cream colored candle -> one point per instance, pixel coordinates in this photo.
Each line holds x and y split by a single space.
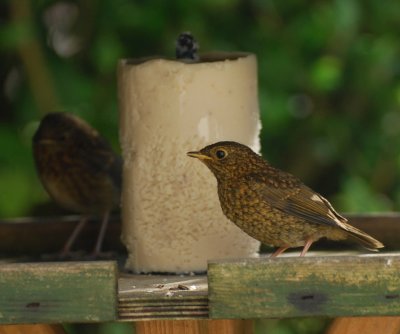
172 219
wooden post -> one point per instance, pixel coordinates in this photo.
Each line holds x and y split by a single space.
195 327
370 325
32 329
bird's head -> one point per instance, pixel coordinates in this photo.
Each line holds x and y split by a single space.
63 129
228 159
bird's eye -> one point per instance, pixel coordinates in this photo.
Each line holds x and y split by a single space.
220 154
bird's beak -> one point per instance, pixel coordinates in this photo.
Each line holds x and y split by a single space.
198 155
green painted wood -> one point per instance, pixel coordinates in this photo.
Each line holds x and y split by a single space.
311 286
58 292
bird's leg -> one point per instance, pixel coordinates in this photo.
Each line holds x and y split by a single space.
279 251
77 230
306 247
100 238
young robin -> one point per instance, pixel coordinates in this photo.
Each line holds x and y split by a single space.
273 206
78 169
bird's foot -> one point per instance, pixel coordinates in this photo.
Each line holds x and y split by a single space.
279 251
63 256
70 256
306 247
101 256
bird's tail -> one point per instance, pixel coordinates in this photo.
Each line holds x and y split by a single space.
363 238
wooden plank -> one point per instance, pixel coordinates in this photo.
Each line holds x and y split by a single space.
364 325
32 329
149 297
195 327
39 235
367 285
58 292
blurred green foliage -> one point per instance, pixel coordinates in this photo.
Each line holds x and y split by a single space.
329 83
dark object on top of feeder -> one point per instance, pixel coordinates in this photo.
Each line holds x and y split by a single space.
186 48
273 206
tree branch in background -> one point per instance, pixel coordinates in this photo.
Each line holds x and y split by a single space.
33 58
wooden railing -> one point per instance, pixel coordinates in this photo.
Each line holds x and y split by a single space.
325 283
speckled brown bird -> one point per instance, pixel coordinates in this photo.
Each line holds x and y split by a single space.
78 169
273 206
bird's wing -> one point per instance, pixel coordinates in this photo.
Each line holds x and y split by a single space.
290 195
102 159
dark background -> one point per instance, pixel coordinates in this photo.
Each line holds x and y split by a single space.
329 86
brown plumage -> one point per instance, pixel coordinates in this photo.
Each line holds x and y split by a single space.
273 206
78 169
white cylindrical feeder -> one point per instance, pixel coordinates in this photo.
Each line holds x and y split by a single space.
172 219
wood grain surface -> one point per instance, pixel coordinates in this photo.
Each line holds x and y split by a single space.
58 292
300 287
